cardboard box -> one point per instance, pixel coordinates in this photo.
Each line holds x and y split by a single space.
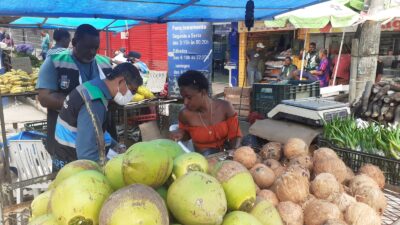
236 100
238 91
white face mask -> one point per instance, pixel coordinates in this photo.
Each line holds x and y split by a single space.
123 99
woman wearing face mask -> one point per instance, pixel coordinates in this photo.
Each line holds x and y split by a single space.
75 132
212 124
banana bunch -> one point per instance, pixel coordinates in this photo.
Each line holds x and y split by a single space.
142 93
18 81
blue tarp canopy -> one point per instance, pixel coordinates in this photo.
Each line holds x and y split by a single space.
71 23
151 10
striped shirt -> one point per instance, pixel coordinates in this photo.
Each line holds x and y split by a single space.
55 50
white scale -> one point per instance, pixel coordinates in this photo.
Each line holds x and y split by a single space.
310 111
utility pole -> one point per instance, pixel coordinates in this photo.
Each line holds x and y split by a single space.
365 55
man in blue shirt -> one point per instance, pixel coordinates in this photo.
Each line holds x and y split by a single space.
45 44
75 132
64 71
62 39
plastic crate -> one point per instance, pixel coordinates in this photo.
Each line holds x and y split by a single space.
355 159
40 126
266 96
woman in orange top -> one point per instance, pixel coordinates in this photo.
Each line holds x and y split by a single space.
212 124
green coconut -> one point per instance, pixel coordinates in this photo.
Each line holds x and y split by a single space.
240 218
72 168
134 204
78 199
113 172
39 205
189 162
266 213
197 198
143 163
238 184
173 149
46 219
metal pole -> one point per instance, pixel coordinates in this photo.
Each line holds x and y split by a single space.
338 59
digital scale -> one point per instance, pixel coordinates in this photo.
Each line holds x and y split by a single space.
309 111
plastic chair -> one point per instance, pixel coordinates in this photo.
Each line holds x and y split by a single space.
31 160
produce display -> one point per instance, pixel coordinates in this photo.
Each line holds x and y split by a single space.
380 102
157 183
18 81
142 94
370 137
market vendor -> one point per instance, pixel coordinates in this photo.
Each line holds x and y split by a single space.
312 59
134 58
212 124
287 69
63 72
75 132
321 73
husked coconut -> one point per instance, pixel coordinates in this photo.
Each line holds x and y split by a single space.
268 196
291 213
308 200
295 147
292 186
263 176
324 185
333 166
259 159
271 150
275 166
303 160
335 222
323 153
319 211
375 173
373 197
350 175
360 213
343 201
246 156
296 168
361 181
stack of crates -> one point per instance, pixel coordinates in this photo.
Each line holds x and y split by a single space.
266 96
240 99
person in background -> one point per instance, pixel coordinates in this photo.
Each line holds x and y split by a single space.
134 58
212 124
63 72
2 34
45 44
343 71
255 64
62 38
287 69
311 58
322 72
8 41
75 132
119 56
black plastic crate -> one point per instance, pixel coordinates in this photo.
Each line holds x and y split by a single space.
355 159
267 96
40 126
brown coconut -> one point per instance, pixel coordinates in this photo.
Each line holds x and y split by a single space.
271 150
268 196
259 159
323 153
308 200
373 197
333 166
335 222
299 169
295 147
343 201
246 156
319 211
325 185
292 186
303 160
275 166
291 213
360 213
263 176
375 173
361 181
350 175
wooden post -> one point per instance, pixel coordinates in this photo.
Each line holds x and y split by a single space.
368 48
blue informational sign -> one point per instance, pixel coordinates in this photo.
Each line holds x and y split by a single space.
189 48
